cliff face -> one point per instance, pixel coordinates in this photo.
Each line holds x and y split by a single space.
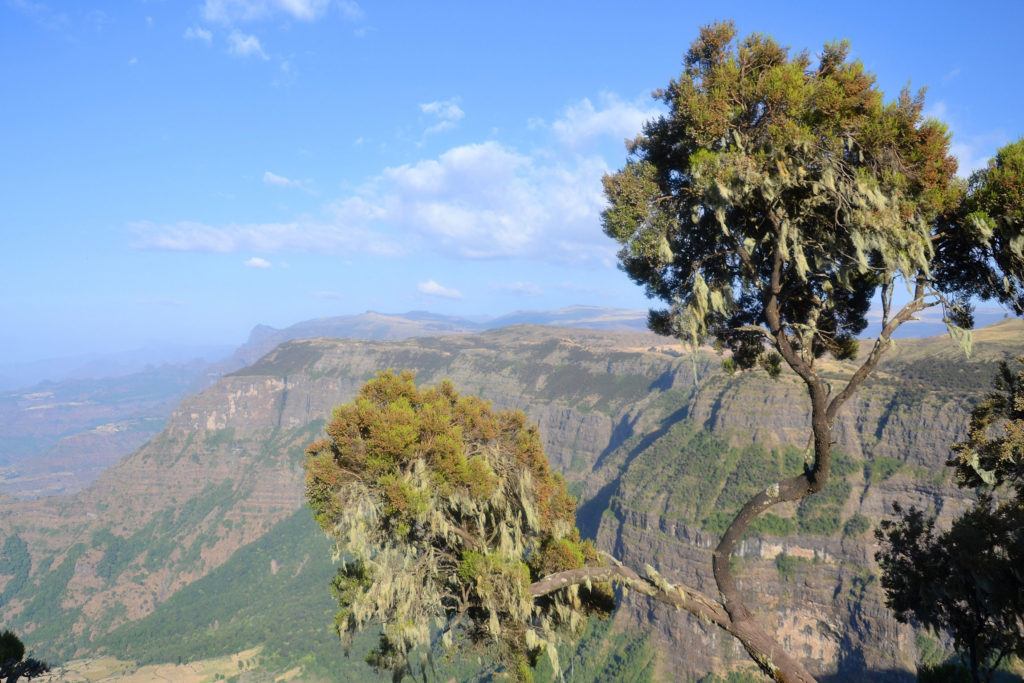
612 408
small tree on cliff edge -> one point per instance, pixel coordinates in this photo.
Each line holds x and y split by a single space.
969 581
14 666
771 204
451 527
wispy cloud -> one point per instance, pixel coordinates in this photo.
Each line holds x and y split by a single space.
243 45
973 153
433 289
257 262
323 294
271 178
198 33
267 238
350 10
446 112
582 122
231 11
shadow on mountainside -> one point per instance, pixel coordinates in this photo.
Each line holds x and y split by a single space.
588 515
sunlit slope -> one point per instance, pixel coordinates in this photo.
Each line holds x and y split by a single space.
660 457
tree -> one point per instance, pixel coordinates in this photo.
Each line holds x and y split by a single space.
13 664
768 207
969 580
451 527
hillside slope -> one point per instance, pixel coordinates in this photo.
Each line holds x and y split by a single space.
658 455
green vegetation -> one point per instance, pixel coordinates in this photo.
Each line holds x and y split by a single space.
13 663
787 565
967 581
16 563
221 613
44 603
446 512
767 207
856 525
606 654
696 477
881 468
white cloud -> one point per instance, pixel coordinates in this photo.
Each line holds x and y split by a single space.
279 180
231 11
242 45
133 61
323 294
936 110
475 201
488 201
198 33
257 262
304 235
974 153
433 289
582 122
518 288
447 112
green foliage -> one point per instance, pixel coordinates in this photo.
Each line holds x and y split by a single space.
738 676
967 581
994 208
44 602
993 453
787 566
443 512
856 525
15 562
13 663
881 468
221 614
695 476
820 514
765 159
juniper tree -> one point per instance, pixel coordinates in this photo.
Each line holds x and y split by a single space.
14 666
772 202
452 530
969 581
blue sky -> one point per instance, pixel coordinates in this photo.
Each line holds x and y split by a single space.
177 172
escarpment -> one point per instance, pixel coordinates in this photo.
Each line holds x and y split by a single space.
659 444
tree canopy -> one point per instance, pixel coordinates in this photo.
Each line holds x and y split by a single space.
13 664
444 513
969 581
767 208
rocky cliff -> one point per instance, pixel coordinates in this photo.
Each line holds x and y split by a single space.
657 443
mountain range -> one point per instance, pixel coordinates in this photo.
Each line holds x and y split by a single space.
197 544
58 435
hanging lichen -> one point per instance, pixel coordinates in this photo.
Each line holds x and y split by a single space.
443 512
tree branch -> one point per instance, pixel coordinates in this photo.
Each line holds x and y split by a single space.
694 602
918 303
